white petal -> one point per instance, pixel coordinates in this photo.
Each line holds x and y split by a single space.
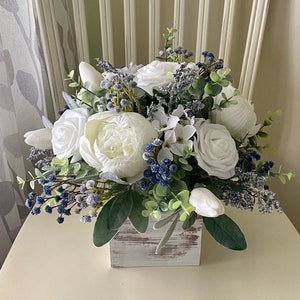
89 74
40 138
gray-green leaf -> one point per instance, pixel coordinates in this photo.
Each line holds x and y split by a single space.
226 232
102 233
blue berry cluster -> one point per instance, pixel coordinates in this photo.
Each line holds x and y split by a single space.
63 200
157 172
119 86
209 64
247 161
265 168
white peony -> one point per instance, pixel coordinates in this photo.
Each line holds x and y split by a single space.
115 143
206 203
67 131
155 74
215 149
40 138
240 118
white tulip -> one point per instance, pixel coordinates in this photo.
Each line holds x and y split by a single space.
40 138
90 76
206 203
240 118
115 143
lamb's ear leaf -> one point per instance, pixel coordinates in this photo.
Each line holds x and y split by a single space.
102 233
136 217
226 232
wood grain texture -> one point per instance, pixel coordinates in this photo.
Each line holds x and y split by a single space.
130 248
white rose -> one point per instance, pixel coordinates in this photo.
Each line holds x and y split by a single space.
90 76
240 119
115 142
215 149
40 138
67 131
206 203
155 74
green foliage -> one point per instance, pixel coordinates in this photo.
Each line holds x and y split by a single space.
136 218
226 232
120 210
102 232
168 234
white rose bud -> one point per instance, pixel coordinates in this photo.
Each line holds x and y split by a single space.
40 138
206 203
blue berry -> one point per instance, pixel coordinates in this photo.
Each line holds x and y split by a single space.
36 210
148 173
142 184
67 212
163 182
57 198
48 209
52 177
117 109
166 161
151 161
148 147
64 194
31 195
60 220
60 209
60 189
42 181
173 168
47 190
40 200
28 203
64 203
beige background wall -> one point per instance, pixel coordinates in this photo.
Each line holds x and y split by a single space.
277 84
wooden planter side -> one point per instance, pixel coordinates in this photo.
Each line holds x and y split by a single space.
130 248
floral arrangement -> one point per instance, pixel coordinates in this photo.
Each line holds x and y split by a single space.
170 140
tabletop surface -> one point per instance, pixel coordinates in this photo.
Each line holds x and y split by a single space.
59 262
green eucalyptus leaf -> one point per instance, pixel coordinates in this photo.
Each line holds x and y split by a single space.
226 232
136 217
32 183
213 89
210 102
119 210
71 74
38 173
225 71
102 233
183 196
168 234
73 84
76 167
187 167
161 191
178 186
21 181
214 77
